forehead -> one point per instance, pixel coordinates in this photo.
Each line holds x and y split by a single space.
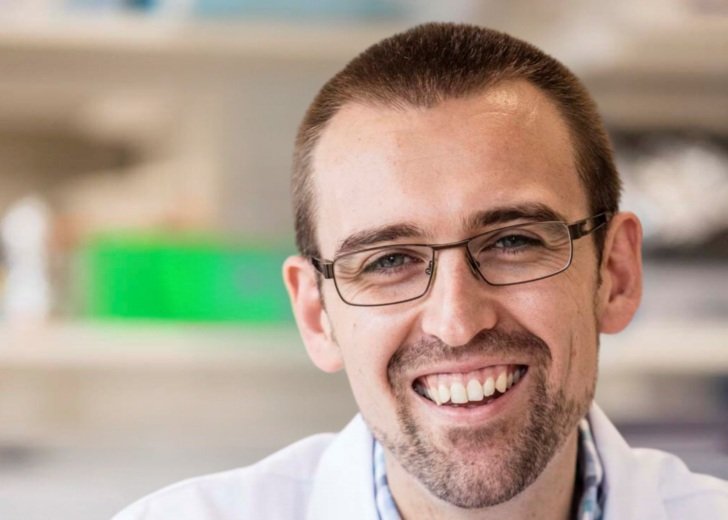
433 168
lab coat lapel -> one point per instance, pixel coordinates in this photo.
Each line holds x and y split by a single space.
631 490
344 480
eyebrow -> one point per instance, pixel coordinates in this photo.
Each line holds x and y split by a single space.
532 211
376 235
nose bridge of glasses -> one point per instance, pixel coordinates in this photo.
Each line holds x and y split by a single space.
473 264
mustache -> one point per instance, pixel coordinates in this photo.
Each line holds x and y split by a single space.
496 343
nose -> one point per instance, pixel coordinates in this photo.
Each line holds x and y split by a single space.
459 304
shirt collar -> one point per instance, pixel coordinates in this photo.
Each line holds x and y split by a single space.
591 474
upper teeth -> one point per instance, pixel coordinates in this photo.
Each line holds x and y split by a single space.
473 386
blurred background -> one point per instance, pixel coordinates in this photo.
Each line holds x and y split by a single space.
145 149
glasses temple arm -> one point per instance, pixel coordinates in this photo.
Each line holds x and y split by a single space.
580 229
325 268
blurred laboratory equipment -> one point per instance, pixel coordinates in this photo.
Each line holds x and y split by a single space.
678 185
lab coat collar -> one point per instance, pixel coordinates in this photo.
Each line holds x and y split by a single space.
344 482
631 491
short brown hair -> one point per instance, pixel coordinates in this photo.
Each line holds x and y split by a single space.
433 62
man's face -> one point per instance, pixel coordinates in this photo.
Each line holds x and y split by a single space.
436 170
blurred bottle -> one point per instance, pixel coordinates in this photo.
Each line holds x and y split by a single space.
24 232
127 7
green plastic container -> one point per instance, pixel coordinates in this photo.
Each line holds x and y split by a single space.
190 278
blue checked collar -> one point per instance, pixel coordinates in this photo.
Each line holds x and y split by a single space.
590 469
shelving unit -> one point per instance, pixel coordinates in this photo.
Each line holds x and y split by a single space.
206 111
221 101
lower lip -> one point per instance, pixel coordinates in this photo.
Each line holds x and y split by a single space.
475 414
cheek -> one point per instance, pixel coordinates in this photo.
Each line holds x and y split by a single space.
560 311
581 338
368 338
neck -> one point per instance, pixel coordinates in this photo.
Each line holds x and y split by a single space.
549 497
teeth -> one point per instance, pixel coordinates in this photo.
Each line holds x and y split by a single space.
429 394
451 388
444 393
475 390
489 387
501 382
433 394
458 395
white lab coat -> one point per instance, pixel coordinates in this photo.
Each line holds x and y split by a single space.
329 477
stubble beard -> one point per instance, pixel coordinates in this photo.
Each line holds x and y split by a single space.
478 468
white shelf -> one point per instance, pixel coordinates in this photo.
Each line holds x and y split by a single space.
669 77
158 36
150 346
647 348
667 347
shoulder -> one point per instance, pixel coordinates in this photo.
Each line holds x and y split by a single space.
684 494
277 486
645 483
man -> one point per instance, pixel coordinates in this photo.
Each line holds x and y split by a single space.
456 209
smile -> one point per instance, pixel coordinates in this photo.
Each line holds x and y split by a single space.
479 386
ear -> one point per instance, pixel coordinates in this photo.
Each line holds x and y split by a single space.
299 277
621 272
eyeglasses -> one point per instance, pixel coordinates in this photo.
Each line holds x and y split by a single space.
510 255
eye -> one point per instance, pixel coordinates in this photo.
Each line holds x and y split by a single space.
516 241
388 261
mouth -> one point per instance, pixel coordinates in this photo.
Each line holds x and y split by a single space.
469 389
